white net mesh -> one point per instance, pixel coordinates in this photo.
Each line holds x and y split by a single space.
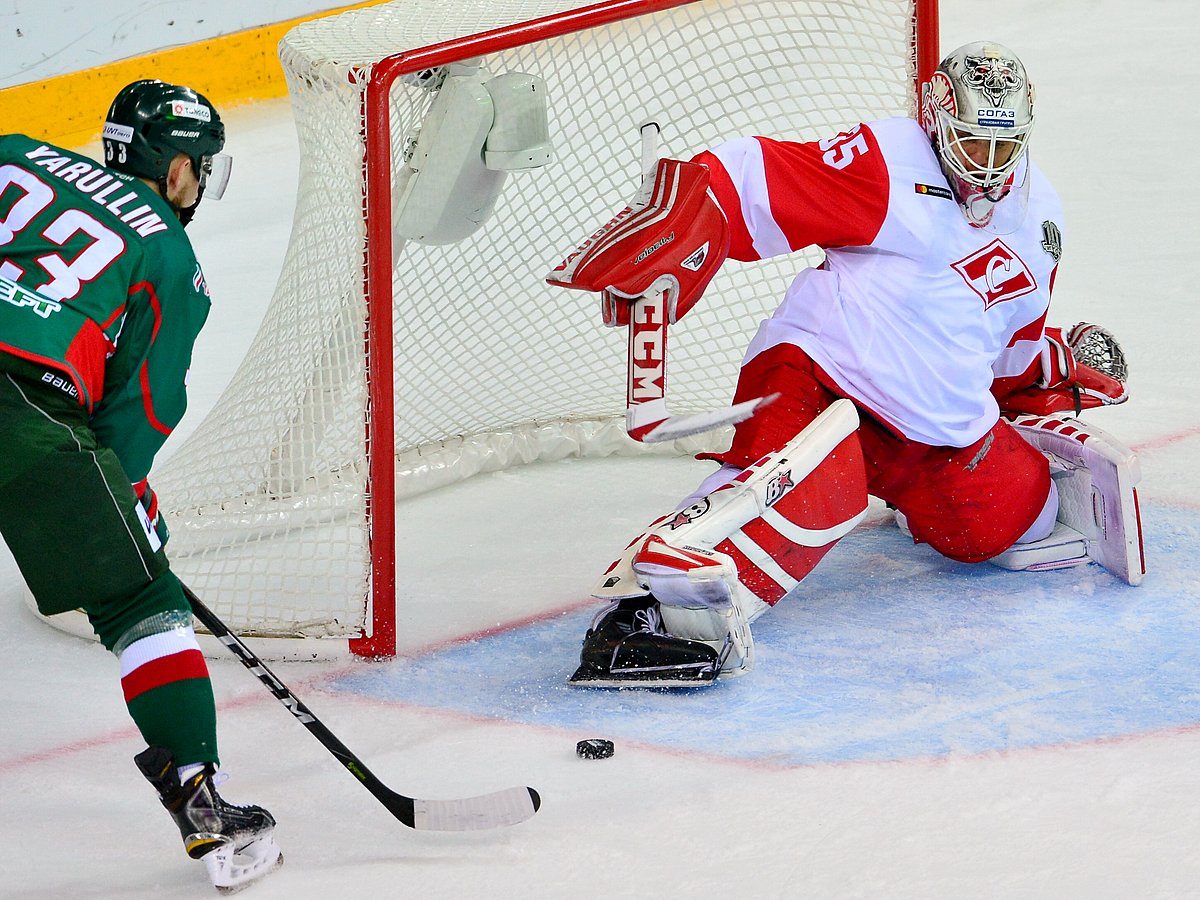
267 500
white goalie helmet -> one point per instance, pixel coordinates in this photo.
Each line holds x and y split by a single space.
977 109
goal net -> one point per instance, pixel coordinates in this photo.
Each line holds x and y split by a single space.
385 367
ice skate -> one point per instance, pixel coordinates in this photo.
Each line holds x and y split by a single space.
236 843
627 646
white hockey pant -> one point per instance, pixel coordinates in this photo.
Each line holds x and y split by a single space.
718 562
1098 517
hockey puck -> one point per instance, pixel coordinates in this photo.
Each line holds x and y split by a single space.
594 748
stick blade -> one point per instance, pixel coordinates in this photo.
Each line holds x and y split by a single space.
507 807
684 426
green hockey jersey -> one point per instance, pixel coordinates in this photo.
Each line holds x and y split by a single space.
100 288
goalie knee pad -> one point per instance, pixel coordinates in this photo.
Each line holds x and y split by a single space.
1098 515
718 563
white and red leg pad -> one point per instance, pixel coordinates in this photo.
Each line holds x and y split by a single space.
1098 514
717 564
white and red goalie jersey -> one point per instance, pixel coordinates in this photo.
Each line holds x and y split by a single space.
914 313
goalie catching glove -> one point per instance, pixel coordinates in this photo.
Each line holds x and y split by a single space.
1081 368
673 236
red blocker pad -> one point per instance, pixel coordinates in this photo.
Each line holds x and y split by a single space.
672 237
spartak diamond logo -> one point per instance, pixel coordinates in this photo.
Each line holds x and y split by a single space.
996 274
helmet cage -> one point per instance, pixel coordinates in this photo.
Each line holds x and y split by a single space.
958 143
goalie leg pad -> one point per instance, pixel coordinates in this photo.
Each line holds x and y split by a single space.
1098 511
775 521
720 562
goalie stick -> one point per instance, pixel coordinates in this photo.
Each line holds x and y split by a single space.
507 807
647 418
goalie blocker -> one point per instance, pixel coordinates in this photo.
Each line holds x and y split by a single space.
671 237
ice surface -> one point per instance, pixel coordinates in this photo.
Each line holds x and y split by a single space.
914 728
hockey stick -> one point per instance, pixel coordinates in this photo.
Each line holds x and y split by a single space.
506 807
647 418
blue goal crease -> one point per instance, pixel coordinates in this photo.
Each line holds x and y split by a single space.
887 651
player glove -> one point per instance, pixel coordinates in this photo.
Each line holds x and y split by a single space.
1081 368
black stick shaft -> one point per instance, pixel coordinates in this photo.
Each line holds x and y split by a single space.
397 804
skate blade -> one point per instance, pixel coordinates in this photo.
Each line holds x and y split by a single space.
642 680
232 870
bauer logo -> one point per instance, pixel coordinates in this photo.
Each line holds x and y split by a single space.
778 486
184 133
115 132
191 110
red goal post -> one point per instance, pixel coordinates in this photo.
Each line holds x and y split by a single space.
385 367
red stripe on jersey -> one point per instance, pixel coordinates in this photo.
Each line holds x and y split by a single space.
147 402
1006 384
1031 332
154 305
164 670
741 245
831 196
117 313
144 374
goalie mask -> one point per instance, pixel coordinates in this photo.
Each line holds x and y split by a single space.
977 109
151 122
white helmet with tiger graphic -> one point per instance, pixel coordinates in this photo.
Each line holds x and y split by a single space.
977 109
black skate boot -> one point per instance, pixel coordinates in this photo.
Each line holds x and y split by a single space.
628 647
236 843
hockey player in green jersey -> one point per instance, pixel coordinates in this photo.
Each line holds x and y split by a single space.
101 300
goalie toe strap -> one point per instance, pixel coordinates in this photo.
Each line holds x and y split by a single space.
1063 548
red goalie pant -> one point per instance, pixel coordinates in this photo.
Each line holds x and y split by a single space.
968 503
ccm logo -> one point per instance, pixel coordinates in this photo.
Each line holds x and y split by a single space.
647 349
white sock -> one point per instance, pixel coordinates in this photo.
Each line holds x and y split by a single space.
186 772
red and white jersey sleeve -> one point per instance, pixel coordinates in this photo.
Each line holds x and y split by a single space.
914 312
781 196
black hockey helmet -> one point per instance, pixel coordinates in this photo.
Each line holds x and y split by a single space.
151 121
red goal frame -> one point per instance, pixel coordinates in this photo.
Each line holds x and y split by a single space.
377 262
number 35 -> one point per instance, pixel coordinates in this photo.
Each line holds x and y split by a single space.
841 150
